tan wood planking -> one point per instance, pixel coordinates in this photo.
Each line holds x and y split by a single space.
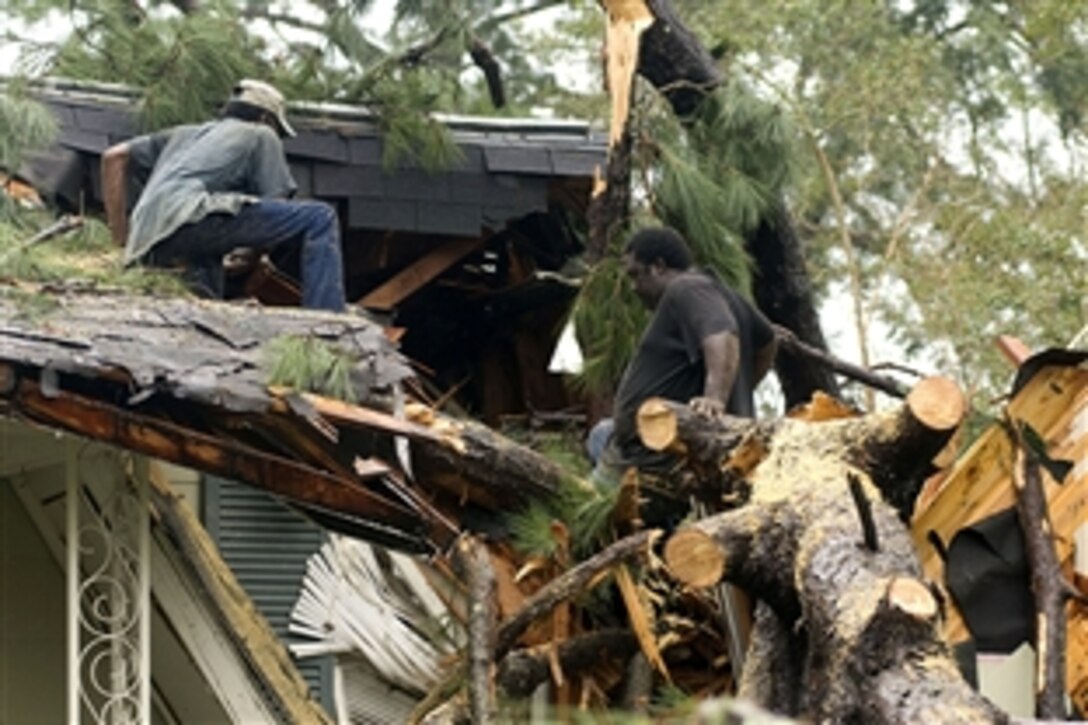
418 273
1055 403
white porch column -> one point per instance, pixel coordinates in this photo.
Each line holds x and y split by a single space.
109 587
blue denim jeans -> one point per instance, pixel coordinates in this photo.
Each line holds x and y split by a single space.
265 226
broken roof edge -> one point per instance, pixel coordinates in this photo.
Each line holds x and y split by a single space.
315 112
250 633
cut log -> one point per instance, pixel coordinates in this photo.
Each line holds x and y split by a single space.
895 448
898 451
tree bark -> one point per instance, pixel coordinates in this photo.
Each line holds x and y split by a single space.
475 568
610 209
783 292
788 343
772 669
470 459
675 62
839 569
895 448
522 671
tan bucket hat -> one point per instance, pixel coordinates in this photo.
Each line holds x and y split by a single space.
264 96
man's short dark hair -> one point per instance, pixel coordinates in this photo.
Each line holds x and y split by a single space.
247 112
664 243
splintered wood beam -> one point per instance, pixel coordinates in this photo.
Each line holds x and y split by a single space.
184 446
343 413
405 282
462 456
253 635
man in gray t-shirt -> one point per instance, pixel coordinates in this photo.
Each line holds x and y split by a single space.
705 345
214 187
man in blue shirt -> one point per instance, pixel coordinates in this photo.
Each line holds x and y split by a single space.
214 187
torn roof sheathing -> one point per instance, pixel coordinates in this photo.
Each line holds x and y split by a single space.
184 381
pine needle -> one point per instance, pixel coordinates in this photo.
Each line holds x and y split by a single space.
311 365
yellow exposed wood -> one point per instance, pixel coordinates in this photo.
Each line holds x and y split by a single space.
627 20
641 618
1055 403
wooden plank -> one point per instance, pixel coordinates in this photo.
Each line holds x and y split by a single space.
416 275
1055 403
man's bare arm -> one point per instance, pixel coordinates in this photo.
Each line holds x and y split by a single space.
721 356
115 190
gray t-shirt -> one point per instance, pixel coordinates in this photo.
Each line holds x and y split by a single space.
202 169
669 360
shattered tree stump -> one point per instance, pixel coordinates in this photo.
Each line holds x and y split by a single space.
819 538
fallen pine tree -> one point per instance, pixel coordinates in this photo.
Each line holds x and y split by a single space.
846 626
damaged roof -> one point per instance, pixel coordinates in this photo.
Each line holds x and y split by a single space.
186 381
505 170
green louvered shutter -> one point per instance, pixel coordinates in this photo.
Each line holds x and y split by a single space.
267 546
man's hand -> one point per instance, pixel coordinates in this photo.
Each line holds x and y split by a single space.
709 407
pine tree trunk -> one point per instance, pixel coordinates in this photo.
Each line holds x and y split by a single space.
818 541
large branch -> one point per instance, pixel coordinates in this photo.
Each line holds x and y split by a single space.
568 584
791 345
675 62
895 448
474 565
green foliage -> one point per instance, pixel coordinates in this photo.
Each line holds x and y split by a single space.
310 364
586 512
24 125
692 202
85 257
609 320
410 136
954 133
184 66
713 178
671 701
